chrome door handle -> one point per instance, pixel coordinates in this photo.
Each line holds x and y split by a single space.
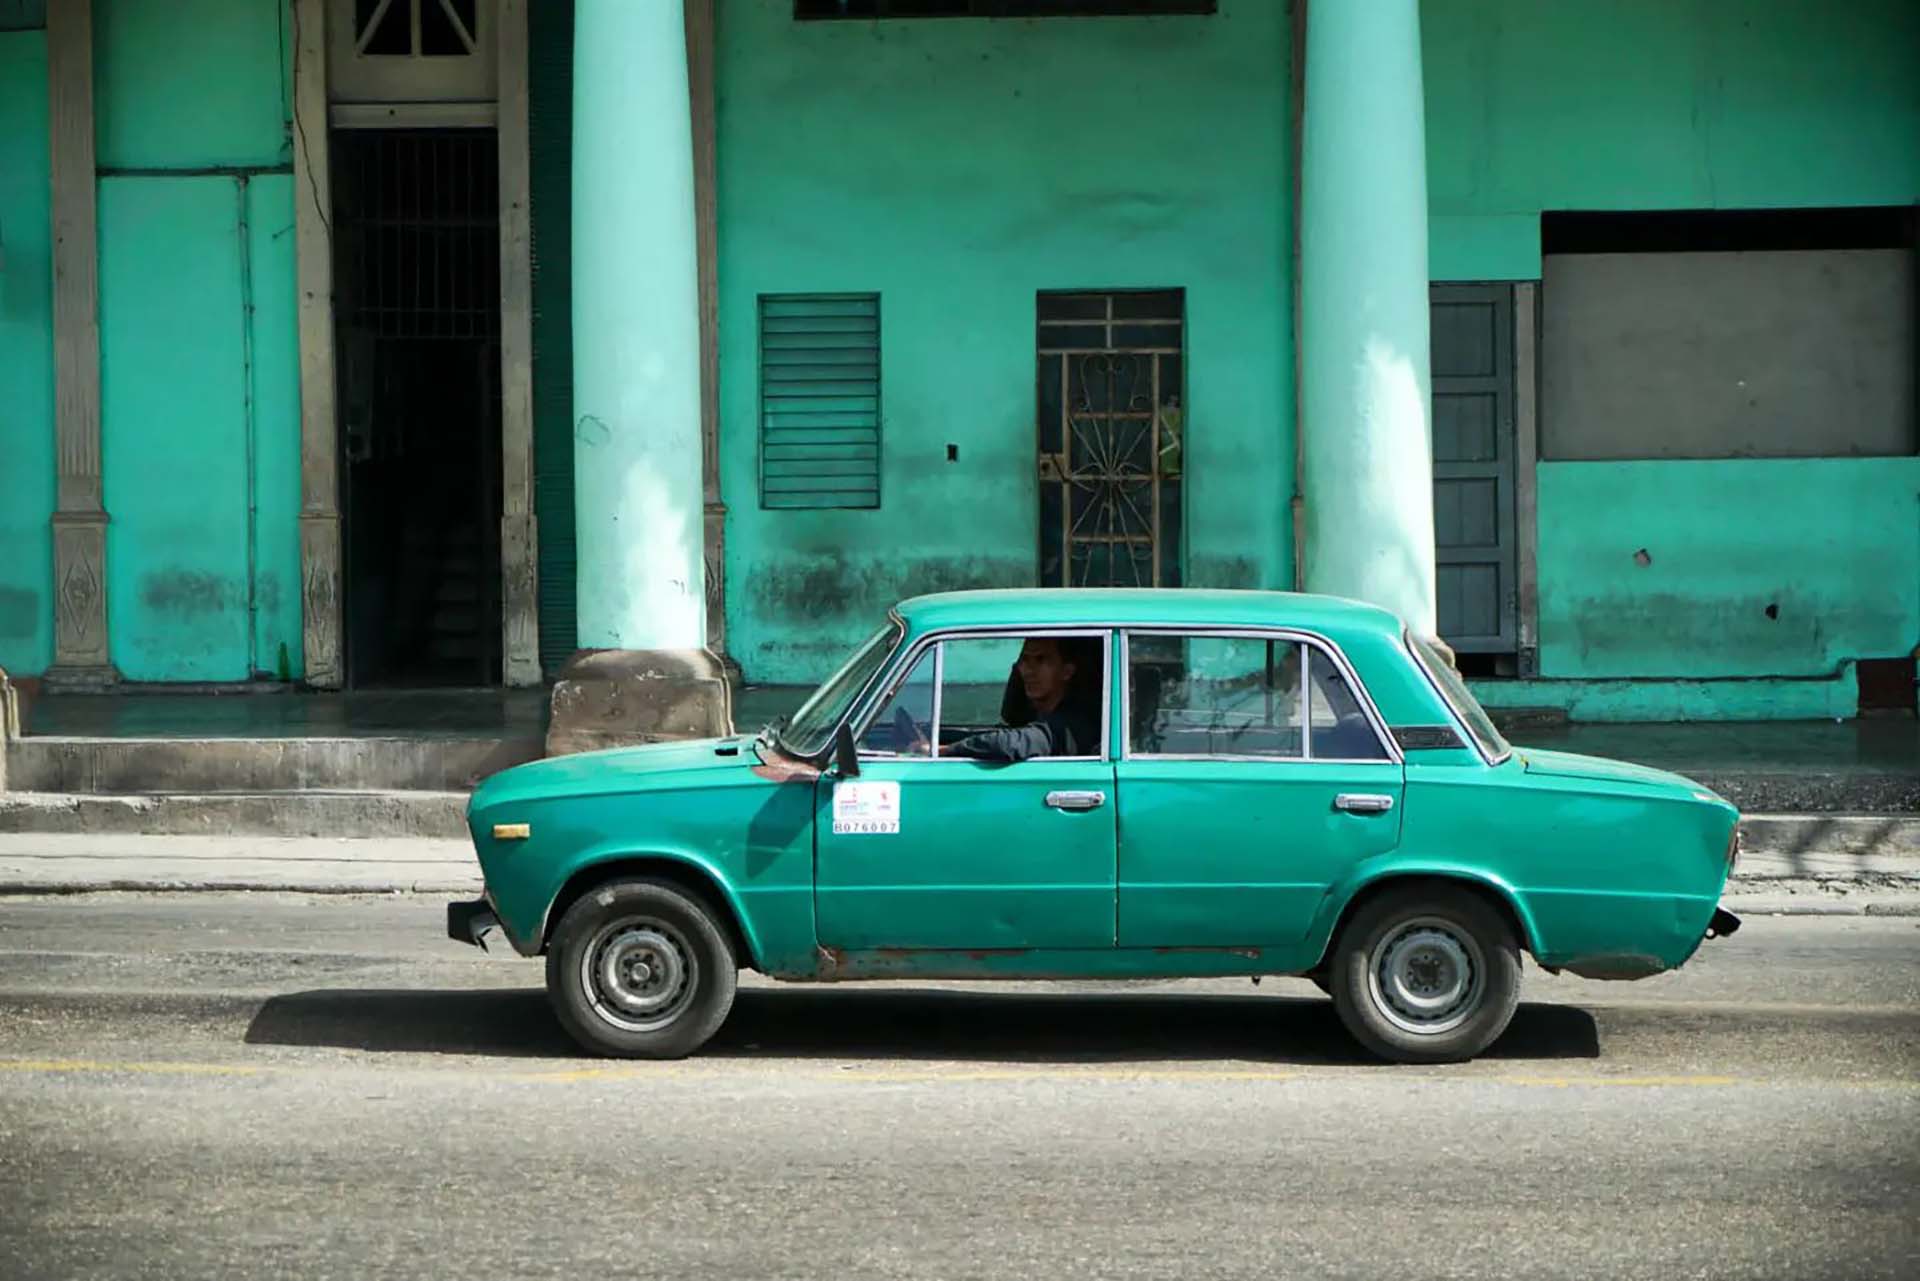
1363 802
1076 800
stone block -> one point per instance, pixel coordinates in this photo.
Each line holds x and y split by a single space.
620 697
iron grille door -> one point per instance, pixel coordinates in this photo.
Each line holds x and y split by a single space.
1111 437
1477 597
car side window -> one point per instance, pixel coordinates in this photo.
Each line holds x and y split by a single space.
1242 696
996 698
904 725
1213 696
1340 730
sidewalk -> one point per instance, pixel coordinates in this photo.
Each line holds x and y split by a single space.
1885 880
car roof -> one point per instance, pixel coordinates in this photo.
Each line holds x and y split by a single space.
1144 606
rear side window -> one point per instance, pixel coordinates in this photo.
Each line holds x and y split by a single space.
1242 696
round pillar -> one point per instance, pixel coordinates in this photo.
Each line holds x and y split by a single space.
636 331
643 672
1368 448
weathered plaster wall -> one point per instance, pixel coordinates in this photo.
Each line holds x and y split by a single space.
1658 104
1686 104
958 167
199 372
190 83
26 358
1778 567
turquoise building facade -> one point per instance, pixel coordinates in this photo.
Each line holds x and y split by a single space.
744 318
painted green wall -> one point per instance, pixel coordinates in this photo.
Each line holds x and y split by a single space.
1833 544
191 83
1658 104
957 168
199 363
1687 104
275 388
26 358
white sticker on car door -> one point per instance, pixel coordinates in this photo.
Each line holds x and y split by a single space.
866 809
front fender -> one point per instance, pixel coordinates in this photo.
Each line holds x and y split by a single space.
1396 866
594 864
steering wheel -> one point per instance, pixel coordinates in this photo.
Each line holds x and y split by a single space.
906 730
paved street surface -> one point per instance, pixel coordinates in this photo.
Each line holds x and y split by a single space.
261 1085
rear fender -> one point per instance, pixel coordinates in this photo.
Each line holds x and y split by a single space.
1373 874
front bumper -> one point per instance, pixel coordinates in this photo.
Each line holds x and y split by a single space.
471 922
1724 923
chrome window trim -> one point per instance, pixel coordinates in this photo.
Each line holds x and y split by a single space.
1453 717
862 717
1311 640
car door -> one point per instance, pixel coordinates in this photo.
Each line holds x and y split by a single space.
1254 775
928 850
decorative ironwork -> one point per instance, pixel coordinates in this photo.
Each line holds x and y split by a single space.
1111 438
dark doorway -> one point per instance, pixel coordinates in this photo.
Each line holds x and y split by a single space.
417 311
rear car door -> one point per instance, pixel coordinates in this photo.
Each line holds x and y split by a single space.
1254 774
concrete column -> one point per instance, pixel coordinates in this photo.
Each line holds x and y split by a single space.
644 671
1368 457
81 658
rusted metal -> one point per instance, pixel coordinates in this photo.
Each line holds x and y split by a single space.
1110 434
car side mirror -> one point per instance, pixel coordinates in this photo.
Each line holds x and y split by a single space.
845 755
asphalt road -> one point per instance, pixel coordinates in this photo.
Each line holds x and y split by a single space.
251 1085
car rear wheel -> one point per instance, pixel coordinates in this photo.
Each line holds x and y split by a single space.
640 970
1426 974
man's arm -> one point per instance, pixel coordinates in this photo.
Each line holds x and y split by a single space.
1024 743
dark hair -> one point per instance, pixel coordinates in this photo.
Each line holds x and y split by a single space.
1083 687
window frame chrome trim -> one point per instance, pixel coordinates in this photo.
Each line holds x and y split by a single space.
1298 635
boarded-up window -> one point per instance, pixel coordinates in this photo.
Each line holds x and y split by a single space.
1728 336
820 400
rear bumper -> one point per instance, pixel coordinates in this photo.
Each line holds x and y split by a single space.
471 921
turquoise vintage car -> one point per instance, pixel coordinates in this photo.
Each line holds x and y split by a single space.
1101 784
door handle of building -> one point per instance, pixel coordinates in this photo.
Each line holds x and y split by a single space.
1363 802
1076 800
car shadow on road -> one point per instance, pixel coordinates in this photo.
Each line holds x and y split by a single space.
900 1024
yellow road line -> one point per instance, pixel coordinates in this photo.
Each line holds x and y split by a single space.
97 1065
730 1072
1565 1082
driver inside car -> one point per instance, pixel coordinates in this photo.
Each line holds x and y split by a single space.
1049 709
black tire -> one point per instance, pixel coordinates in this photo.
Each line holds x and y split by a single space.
1426 974
640 969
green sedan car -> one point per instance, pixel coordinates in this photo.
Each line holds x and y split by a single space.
1101 784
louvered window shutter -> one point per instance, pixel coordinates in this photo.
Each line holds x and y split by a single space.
820 400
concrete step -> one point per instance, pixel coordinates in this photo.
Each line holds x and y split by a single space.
198 766
1821 845
360 815
1814 790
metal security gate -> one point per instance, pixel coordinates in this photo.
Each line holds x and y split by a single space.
1111 435
1475 584
417 317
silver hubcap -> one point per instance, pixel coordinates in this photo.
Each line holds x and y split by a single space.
639 974
1427 976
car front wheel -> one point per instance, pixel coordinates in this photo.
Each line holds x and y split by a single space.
640 969
1426 974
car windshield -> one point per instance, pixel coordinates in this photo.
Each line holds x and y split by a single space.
1461 699
810 728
